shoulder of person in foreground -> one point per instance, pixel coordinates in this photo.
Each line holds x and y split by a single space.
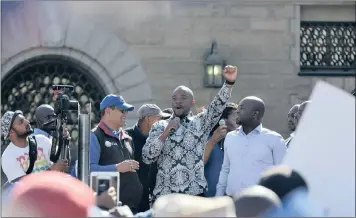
298 204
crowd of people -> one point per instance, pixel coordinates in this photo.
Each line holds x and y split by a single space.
218 161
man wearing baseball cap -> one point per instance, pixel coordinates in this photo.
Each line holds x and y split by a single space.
148 115
111 149
16 161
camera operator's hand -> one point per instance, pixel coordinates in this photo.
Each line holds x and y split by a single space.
60 166
66 134
107 199
127 166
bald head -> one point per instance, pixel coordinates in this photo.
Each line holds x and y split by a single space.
282 180
45 117
291 117
251 109
294 109
254 201
301 109
304 105
185 89
182 101
182 205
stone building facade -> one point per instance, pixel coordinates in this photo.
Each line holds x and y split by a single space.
143 50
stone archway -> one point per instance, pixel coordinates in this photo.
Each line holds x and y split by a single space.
26 36
28 85
29 34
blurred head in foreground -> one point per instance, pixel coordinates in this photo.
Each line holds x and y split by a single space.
254 201
51 194
180 205
282 180
298 204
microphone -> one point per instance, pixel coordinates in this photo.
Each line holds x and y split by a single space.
171 131
222 123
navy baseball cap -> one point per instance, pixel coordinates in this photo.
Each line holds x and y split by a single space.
115 101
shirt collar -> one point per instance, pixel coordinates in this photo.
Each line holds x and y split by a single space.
120 134
137 128
292 134
258 129
186 119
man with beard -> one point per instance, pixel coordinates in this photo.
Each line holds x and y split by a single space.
250 150
291 122
16 158
178 143
46 123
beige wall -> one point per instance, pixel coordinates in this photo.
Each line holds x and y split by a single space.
169 40
259 38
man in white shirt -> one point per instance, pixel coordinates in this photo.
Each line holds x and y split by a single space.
292 122
15 159
249 150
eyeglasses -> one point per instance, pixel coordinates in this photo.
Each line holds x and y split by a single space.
122 111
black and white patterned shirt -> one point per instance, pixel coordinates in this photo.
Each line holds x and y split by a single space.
180 157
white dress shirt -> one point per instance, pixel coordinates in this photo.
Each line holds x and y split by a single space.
246 157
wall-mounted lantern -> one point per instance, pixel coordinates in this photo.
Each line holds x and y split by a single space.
213 67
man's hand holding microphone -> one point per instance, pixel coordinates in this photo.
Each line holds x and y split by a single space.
172 126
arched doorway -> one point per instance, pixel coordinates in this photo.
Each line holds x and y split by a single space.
28 85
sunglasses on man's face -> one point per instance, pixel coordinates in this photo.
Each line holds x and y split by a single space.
122 111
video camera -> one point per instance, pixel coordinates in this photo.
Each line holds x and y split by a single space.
63 103
62 106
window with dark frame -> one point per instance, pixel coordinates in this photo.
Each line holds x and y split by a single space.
328 46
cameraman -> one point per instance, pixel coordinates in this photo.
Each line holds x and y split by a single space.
45 120
16 161
111 149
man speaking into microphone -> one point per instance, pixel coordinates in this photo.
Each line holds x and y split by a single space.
178 143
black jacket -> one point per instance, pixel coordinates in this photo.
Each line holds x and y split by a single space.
118 151
146 173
